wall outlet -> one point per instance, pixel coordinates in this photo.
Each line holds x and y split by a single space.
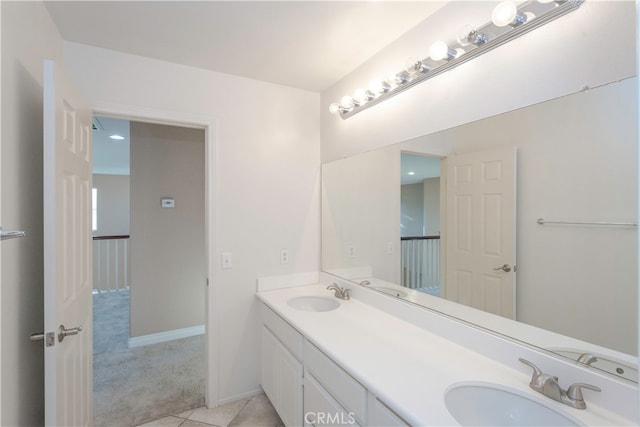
168 202
227 260
351 251
284 256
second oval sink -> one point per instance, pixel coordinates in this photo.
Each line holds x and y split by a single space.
313 303
484 405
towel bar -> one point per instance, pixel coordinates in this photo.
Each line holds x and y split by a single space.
542 221
11 234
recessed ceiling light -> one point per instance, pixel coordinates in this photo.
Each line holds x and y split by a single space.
117 137
411 173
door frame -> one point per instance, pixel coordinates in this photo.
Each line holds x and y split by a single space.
176 118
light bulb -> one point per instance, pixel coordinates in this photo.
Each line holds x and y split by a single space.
469 35
463 38
439 50
399 78
346 102
361 96
379 86
415 65
334 108
506 13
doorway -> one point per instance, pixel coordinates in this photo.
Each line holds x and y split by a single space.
420 222
153 298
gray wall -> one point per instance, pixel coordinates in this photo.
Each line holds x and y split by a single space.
28 36
420 208
167 244
113 204
412 210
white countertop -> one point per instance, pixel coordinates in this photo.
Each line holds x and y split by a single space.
407 367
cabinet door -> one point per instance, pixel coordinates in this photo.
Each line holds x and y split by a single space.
289 389
268 368
320 409
281 379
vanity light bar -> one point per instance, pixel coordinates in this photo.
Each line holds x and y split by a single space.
525 18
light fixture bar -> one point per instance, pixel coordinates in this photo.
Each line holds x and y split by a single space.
558 9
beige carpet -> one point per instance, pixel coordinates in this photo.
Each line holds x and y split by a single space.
133 386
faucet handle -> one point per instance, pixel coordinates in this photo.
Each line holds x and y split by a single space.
536 372
574 392
538 379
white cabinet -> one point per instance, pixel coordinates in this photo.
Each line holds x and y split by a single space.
321 409
330 395
281 379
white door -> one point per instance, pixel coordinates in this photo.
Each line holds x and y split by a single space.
67 253
480 237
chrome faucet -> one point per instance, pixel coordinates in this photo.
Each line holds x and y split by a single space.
549 386
341 293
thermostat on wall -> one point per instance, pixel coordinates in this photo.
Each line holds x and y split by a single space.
168 203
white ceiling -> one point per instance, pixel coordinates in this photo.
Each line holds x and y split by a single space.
421 166
309 45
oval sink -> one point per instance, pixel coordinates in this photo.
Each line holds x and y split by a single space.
390 291
313 303
484 405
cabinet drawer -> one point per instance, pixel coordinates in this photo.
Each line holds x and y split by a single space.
346 390
291 338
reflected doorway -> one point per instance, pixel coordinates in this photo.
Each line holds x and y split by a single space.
420 223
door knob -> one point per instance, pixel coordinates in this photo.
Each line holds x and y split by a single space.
506 268
63 332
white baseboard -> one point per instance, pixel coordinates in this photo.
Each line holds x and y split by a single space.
166 336
240 396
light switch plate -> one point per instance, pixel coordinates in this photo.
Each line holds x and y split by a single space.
227 260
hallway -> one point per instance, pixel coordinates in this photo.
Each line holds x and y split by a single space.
133 386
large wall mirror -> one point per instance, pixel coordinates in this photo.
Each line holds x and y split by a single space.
524 223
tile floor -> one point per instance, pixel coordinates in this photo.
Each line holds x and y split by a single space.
255 412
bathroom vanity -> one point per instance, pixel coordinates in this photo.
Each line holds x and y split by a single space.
372 360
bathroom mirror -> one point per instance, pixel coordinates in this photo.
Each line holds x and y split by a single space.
575 168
